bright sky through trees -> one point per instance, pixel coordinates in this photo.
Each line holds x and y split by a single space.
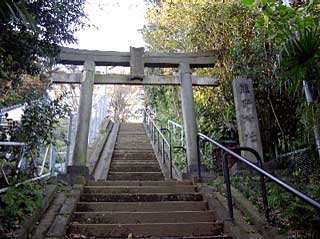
116 25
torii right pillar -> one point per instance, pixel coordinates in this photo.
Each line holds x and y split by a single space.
189 117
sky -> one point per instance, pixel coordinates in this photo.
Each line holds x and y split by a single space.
116 25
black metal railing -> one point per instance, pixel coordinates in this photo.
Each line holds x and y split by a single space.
258 168
159 140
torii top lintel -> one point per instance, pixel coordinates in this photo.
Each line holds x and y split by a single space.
149 59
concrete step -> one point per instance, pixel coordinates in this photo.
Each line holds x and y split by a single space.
165 206
103 182
139 189
142 217
140 197
147 229
134 167
143 176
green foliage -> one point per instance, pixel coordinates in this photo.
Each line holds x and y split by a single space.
229 28
288 212
301 55
30 35
250 40
277 47
16 203
38 123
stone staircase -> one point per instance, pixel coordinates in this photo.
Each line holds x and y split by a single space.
136 201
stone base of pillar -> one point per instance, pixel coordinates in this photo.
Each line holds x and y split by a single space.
75 175
78 171
193 173
193 169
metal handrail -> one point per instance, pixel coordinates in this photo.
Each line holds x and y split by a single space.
155 133
174 125
156 127
262 181
39 172
314 203
10 108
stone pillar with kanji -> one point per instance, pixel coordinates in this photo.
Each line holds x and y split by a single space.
247 119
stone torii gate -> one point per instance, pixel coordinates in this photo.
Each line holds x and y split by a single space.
137 59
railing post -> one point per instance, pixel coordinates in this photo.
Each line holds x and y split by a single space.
152 133
158 141
227 182
170 153
198 157
163 153
170 160
211 155
69 141
262 181
263 189
52 161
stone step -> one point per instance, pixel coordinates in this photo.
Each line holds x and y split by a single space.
140 197
151 158
103 182
138 135
133 162
165 206
133 147
130 146
134 167
136 152
139 189
182 237
133 144
134 156
143 147
142 217
131 126
147 229
143 176
134 139
133 132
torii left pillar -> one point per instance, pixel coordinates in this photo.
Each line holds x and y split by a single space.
189 117
79 161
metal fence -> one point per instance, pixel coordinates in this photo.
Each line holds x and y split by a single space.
68 127
53 158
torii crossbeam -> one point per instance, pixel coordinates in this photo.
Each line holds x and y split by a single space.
137 59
